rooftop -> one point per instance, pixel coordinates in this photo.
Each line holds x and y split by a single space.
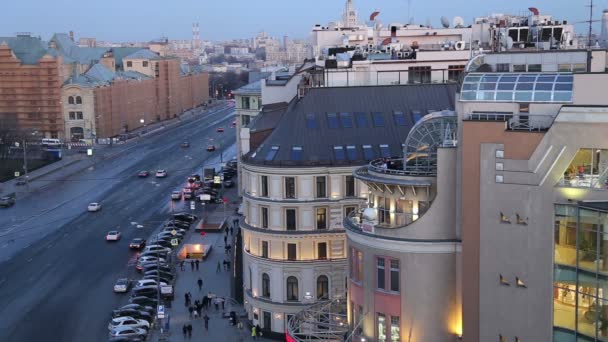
143 54
351 125
27 49
254 88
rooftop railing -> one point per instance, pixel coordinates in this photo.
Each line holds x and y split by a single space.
515 121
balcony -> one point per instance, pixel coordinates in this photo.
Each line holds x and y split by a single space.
290 232
287 262
519 122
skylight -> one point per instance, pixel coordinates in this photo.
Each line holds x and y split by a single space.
384 151
339 152
296 153
399 118
361 119
332 120
416 115
272 153
311 121
346 120
351 152
378 119
368 152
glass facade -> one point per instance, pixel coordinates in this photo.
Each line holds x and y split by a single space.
588 169
510 87
580 295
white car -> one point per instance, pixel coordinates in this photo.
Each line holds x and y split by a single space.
122 285
94 207
129 322
149 282
113 235
145 259
161 174
176 195
157 248
128 332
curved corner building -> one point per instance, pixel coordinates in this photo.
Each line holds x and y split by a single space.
404 250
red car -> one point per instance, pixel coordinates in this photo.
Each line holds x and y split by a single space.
220 129
143 174
233 123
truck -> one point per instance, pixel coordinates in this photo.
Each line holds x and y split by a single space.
208 174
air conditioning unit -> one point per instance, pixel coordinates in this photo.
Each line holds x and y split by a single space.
399 55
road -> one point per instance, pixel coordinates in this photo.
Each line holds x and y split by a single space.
57 272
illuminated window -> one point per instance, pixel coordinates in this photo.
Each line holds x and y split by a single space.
381 324
321 218
395 330
264 249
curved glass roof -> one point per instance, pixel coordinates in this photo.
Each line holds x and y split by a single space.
433 130
514 87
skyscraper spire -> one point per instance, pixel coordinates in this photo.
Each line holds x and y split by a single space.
349 18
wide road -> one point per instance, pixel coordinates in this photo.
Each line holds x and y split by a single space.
57 286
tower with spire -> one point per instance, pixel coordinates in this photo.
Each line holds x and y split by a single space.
349 18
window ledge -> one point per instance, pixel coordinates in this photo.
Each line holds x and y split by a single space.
387 292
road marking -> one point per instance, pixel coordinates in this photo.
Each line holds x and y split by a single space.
133 223
30 260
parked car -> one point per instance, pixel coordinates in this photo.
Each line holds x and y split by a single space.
161 174
133 313
185 144
160 254
128 332
188 195
162 242
113 235
126 339
187 217
178 224
122 285
147 291
146 259
157 248
7 201
149 282
149 309
143 174
166 275
228 183
220 129
176 195
137 243
211 148
94 207
128 322
232 164
180 232
144 301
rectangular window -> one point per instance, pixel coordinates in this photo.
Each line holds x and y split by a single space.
245 120
351 152
349 188
399 118
332 120
579 67
264 249
272 153
348 210
359 266
296 153
72 115
534 67
245 102
564 67
378 119
503 67
339 152
292 251
144 64
421 74
454 72
519 68
384 151
322 250
380 275
78 115
361 119
264 185
321 187
264 217
290 187
321 218
416 115
395 331
311 121
394 275
346 120
368 152
129 64
381 327
290 219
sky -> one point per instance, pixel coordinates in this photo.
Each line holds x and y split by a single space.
137 20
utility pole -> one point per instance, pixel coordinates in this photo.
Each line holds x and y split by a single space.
27 184
590 21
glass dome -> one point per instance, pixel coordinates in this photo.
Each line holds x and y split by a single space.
432 131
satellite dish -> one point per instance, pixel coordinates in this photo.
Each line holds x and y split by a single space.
458 22
445 22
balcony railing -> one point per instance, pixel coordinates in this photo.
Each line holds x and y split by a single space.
385 219
516 122
323 321
299 261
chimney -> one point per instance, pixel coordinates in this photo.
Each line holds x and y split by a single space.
72 35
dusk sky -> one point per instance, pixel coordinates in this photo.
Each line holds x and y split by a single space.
119 20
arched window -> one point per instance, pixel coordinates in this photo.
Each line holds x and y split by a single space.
292 288
71 100
78 100
265 285
322 287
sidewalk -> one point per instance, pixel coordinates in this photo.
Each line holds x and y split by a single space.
218 283
73 163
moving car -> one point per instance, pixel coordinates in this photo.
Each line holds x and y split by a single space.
122 285
183 216
128 332
211 148
228 183
176 195
128 322
94 207
7 201
161 174
113 235
21 182
143 174
220 129
184 144
188 195
137 243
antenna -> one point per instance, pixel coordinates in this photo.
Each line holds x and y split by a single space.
445 22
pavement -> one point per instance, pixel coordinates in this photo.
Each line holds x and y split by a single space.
56 270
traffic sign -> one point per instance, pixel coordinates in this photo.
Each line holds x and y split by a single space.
173 232
174 242
217 180
160 312
17 174
205 197
192 205
89 151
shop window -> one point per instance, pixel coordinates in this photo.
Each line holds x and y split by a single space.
381 324
322 287
380 272
265 285
395 329
504 281
520 283
292 288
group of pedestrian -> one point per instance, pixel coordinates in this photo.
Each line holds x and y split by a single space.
256 331
187 329
194 264
226 263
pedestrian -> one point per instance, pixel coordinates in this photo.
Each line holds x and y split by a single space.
195 312
219 268
228 264
190 310
231 231
185 330
253 332
186 299
205 302
189 330
200 284
181 265
222 300
196 263
258 330
199 309
216 302
224 263
206 318
225 239
192 265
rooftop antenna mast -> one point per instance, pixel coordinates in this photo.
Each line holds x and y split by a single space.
589 44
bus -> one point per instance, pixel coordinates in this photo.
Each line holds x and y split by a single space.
51 143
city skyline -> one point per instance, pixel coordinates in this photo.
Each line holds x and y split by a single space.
134 23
